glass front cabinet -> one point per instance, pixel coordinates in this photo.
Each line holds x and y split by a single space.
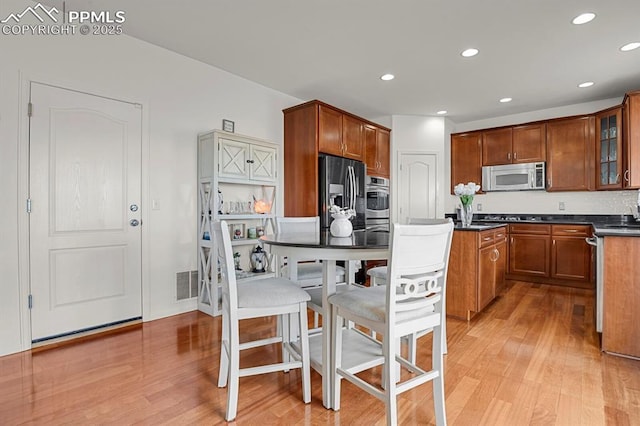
609 149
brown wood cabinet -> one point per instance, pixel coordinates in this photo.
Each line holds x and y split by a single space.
570 152
309 129
497 146
518 144
550 254
476 271
466 158
377 151
621 288
339 134
529 249
529 143
631 140
571 256
608 162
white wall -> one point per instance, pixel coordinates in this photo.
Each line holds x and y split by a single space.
420 134
181 97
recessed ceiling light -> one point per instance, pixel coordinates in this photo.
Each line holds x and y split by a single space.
586 84
387 77
505 100
584 18
441 112
630 46
469 52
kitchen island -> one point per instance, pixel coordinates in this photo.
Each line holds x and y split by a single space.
477 266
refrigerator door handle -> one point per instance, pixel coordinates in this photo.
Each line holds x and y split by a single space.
352 187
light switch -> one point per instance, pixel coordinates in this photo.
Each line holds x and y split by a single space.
155 205
479 207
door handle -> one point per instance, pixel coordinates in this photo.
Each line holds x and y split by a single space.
134 222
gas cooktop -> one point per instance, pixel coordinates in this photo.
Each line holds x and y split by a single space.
508 218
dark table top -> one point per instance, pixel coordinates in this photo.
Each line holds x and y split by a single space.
359 239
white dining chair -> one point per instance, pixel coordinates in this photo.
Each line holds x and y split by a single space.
410 302
254 299
308 271
378 276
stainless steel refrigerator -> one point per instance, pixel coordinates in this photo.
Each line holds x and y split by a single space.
341 183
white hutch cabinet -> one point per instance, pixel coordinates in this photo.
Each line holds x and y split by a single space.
241 169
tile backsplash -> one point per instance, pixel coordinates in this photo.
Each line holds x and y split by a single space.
591 202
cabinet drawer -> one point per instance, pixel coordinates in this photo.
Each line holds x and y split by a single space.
485 238
500 234
529 228
571 230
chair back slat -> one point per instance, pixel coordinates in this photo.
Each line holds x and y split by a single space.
290 225
418 264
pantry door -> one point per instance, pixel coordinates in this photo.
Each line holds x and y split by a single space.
417 186
85 220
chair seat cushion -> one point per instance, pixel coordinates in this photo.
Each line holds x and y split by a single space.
270 292
369 302
316 293
310 271
378 272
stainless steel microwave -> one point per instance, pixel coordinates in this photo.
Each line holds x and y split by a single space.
514 177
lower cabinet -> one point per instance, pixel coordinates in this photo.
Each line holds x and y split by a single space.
551 254
529 250
477 266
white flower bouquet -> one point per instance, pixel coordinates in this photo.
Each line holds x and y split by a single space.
466 192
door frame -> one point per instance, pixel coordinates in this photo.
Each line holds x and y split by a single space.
396 184
24 260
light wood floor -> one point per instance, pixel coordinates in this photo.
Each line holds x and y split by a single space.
531 358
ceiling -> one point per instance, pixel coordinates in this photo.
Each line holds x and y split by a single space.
336 50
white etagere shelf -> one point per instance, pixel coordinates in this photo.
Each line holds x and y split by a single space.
234 164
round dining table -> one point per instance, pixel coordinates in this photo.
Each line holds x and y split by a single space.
361 245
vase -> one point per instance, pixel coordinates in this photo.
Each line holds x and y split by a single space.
466 215
341 226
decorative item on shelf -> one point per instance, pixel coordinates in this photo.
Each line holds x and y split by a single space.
251 233
236 261
259 231
466 193
237 231
261 206
258 260
341 225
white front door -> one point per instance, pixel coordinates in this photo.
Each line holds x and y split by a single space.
85 175
417 186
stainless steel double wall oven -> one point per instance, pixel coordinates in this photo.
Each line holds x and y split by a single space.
377 199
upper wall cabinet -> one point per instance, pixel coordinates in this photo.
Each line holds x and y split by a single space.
608 149
570 154
466 158
378 150
246 161
519 144
631 140
340 134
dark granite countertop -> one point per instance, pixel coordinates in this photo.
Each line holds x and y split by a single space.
603 225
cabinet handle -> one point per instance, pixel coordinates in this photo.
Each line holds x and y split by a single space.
486 238
570 230
497 254
618 178
508 156
626 175
250 161
515 155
